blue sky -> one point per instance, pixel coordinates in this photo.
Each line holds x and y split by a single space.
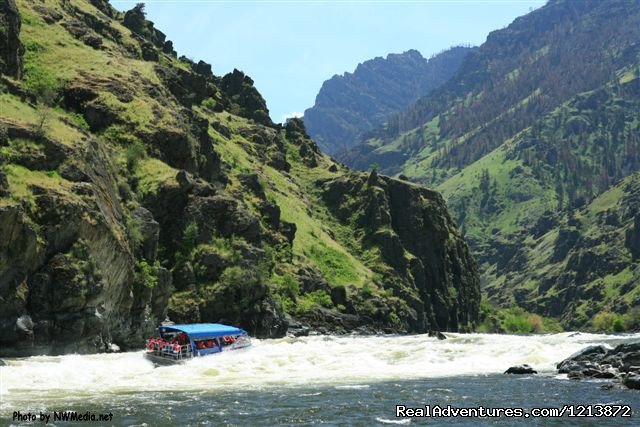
290 47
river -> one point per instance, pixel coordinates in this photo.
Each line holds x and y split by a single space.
311 380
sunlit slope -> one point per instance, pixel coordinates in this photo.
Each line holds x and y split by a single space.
136 185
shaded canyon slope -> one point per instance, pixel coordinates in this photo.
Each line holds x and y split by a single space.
136 185
350 105
535 145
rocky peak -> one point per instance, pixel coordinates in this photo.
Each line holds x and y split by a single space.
248 101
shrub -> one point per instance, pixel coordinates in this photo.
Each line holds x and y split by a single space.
135 152
243 277
516 323
209 104
605 321
618 325
536 323
286 303
119 134
314 299
190 236
134 231
632 319
287 285
146 274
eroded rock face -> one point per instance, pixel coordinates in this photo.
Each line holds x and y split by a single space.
11 49
633 238
415 235
66 264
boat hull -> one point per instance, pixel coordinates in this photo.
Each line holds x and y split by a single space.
163 361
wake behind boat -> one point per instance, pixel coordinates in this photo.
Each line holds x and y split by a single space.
179 343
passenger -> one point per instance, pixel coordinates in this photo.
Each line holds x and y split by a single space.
182 338
200 345
209 344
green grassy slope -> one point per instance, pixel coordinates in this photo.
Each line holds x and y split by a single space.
135 184
542 121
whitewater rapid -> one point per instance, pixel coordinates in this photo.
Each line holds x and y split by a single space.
344 361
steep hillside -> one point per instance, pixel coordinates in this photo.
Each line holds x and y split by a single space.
582 267
136 185
349 105
541 119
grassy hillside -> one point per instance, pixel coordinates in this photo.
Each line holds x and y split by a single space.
540 122
136 185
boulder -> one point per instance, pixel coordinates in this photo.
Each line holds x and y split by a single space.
632 381
288 230
633 238
98 115
271 214
295 328
521 370
251 182
4 184
184 181
202 68
437 334
582 358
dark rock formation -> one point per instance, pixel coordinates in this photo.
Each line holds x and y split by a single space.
247 101
632 381
11 49
189 88
621 363
521 370
410 226
437 334
633 238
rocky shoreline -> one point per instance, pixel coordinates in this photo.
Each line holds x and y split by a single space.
621 365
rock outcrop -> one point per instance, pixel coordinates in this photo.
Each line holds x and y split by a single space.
431 267
621 364
11 49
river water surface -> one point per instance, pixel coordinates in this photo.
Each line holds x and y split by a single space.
313 380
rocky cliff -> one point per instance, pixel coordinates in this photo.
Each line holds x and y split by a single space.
11 50
136 185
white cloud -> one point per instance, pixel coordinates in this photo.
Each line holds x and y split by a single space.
295 114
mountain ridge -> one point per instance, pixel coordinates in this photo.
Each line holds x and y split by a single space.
539 122
349 105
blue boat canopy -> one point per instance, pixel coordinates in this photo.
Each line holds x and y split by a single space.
198 331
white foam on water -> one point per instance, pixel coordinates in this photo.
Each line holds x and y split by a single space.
403 421
301 361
